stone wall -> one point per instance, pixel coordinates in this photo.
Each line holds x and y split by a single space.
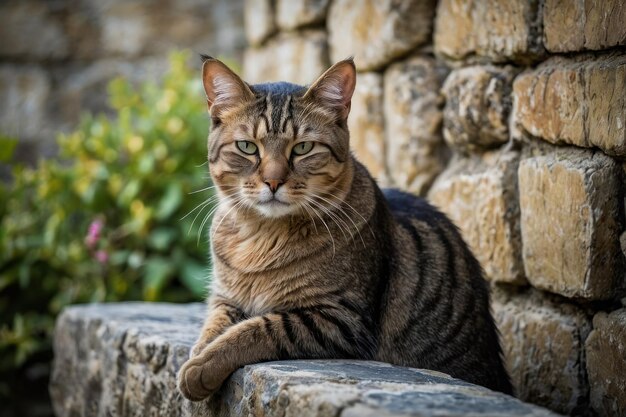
121 360
56 57
510 115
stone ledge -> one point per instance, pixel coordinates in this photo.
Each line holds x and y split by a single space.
121 359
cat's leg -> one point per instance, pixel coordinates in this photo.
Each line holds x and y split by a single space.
304 333
221 316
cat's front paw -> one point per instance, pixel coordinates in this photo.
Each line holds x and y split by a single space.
197 348
196 381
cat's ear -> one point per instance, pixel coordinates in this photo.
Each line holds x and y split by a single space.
224 89
334 88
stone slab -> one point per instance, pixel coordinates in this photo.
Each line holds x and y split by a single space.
543 342
579 101
606 363
570 221
489 30
377 31
479 194
571 26
121 359
292 14
259 18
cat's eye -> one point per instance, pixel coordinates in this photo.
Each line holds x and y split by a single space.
302 148
247 147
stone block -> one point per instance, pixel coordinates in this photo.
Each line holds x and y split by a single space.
259 20
367 125
29 30
543 343
489 30
479 194
569 202
376 32
606 363
578 101
294 57
291 14
416 152
121 359
478 103
571 26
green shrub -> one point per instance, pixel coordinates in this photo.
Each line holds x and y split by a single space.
104 223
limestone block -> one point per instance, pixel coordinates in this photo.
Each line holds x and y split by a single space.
367 125
606 363
413 103
291 14
569 202
294 57
480 196
543 343
571 26
121 359
577 101
29 30
377 31
478 103
495 30
259 20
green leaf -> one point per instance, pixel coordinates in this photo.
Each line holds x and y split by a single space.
7 148
195 277
170 202
161 238
156 274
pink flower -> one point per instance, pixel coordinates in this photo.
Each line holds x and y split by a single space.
101 256
93 233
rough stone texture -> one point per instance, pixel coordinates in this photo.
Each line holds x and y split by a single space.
291 14
30 29
569 203
295 57
413 103
478 103
543 342
24 93
578 101
367 125
606 363
377 31
495 30
480 196
121 359
571 26
259 20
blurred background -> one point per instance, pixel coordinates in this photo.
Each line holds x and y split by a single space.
507 115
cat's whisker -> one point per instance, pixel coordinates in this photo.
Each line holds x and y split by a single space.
342 211
240 201
325 225
333 217
212 187
312 219
211 200
204 203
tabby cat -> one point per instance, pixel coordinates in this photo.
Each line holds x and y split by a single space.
312 260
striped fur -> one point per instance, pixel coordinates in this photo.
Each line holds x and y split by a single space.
339 268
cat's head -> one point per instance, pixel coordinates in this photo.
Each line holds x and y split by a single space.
280 149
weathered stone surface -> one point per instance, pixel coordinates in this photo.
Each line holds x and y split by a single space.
367 125
131 28
259 19
121 359
478 103
480 196
413 103
571 26
606 363
29 30
543 343
570 222
377 31
495 30
291 14
574 101
295 57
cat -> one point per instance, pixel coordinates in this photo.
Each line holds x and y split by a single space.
312 260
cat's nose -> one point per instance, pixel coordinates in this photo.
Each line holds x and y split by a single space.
274 184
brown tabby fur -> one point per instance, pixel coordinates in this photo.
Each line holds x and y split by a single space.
338 269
